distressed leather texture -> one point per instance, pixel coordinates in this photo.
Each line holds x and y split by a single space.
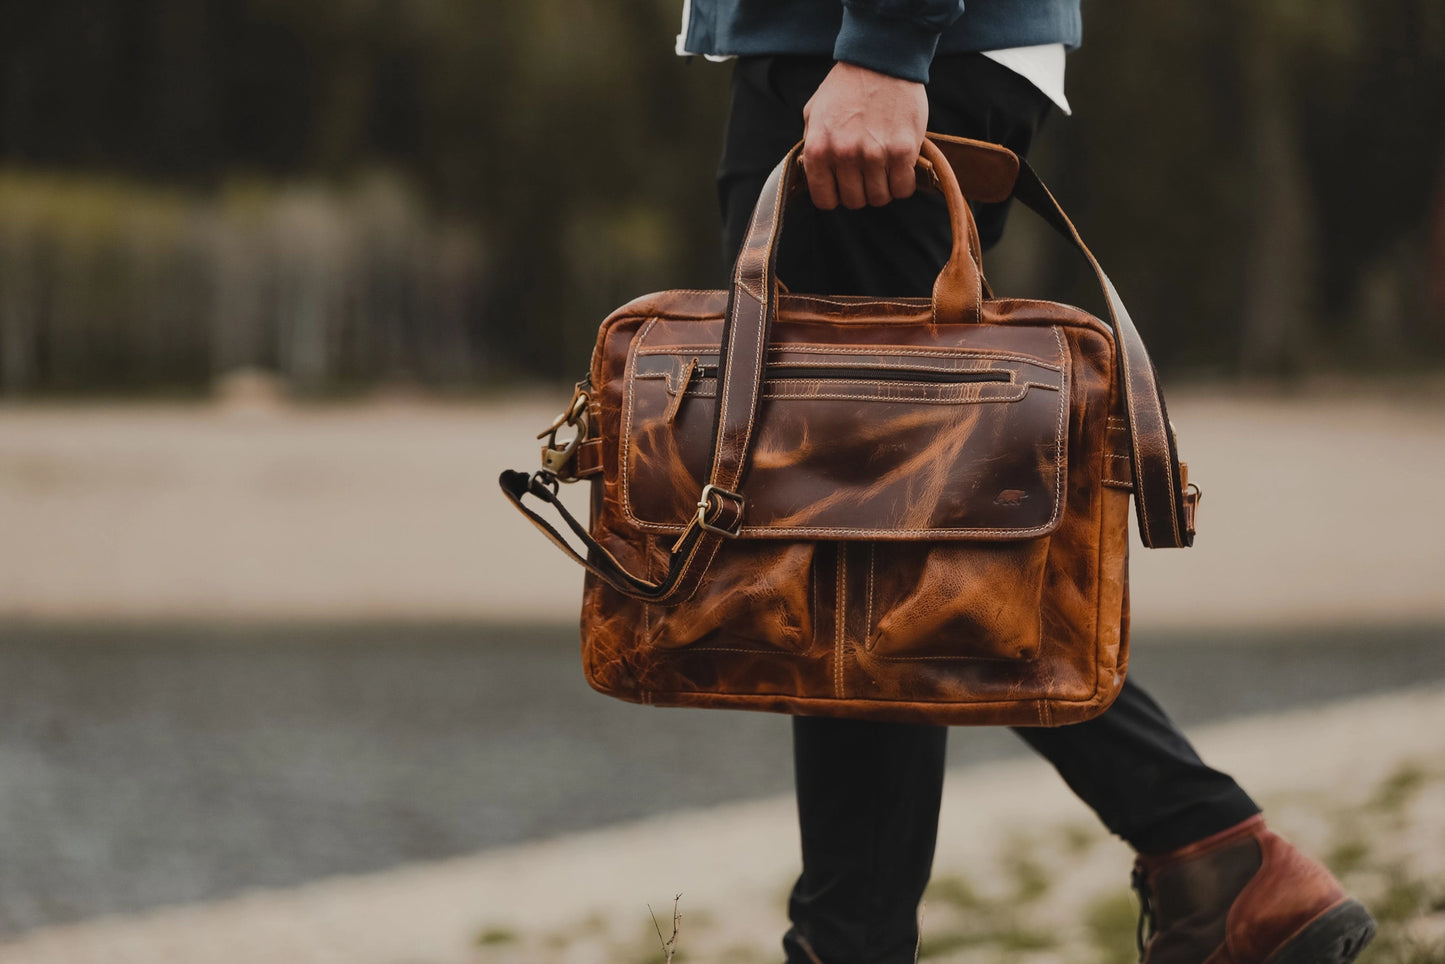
919 507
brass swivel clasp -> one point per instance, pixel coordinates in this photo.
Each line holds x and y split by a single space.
557 456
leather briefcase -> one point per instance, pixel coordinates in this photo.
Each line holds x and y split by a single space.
908 509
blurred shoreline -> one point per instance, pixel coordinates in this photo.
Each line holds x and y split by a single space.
1318 509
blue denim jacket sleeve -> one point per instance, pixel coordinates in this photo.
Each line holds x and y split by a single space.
895 37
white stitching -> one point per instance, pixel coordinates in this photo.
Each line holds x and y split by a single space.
863 302
631 381
1059 459
817 607
825 349
685 650
959 400
758 363
885 367
984 659
1112 296
840 616
921 353
824 703
795 388
882 535
736 473
868 613
886 390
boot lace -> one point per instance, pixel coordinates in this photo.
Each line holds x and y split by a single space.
1148 922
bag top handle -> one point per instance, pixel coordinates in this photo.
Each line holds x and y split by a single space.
957 293
986 172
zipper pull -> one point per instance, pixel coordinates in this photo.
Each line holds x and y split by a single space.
682 382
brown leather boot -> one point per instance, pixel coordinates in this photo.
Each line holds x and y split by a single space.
1244 896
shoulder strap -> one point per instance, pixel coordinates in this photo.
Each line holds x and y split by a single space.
1163 500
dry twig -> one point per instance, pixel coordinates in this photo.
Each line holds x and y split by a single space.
669 945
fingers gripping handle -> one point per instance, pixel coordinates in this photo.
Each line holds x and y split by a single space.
957 292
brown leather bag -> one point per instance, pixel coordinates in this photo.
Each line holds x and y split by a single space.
905 509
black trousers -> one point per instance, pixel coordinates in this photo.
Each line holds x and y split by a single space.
868 793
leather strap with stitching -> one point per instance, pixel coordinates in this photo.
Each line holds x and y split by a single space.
1159 495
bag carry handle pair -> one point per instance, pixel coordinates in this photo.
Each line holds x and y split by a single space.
1163 499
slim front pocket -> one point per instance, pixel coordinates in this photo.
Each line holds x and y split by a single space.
955 601
760 600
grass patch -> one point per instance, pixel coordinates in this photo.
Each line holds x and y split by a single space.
495 936
1399 949
1347 855
946 942
1397 790
1029 877
955 891
1404 899
1026 939
1112 922
1009 938
1078 839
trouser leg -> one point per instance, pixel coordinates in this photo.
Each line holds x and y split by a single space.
868 796
1141 775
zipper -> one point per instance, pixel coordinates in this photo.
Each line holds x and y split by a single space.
693 371
934 375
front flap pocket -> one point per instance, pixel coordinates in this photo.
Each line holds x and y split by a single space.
860 442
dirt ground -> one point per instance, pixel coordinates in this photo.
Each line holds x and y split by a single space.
1023 874
1317 508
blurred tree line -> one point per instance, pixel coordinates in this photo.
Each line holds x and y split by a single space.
456 192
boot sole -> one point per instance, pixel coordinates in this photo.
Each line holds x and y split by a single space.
1335 937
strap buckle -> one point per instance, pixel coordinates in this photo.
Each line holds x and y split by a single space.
704 504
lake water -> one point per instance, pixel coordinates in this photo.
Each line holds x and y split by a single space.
149 766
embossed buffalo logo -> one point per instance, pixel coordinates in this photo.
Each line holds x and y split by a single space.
1011 497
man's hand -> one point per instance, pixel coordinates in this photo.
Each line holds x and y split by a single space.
861 135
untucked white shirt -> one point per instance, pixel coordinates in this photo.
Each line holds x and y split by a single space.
1042 66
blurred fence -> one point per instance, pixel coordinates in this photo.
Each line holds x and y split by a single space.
106 285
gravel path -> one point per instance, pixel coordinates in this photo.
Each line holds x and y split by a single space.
1022 874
